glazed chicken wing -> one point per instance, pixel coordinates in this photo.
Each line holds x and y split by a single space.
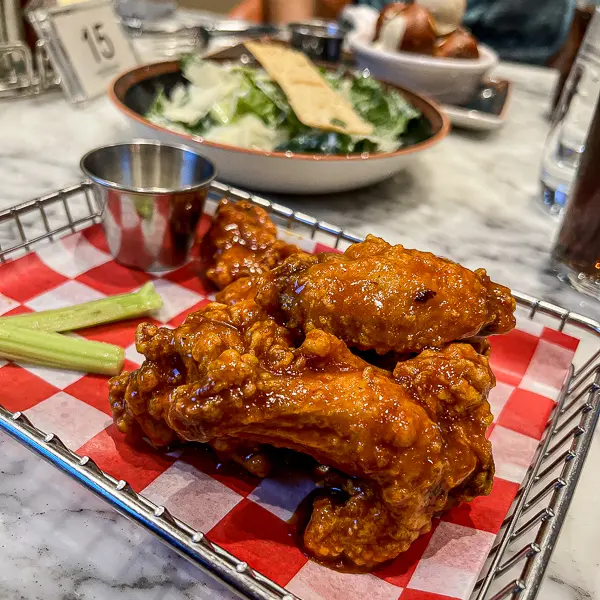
242 241
404 446
386 298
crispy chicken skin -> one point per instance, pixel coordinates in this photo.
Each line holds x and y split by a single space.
452 385
242 241
370 525
386 298
238 291
408 444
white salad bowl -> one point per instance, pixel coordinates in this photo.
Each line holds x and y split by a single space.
447 80
293 173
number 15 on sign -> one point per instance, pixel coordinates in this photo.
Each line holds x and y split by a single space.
101 46
95 44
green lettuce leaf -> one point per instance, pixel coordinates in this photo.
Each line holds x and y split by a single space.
315 141
334 78
158 104
259 98
387 110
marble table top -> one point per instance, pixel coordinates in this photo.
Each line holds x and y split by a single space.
473 198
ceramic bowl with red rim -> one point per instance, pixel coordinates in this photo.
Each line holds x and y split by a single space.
133 92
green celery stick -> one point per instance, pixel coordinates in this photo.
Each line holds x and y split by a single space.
60 351
88 314
144 206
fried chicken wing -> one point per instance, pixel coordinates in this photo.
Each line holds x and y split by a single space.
408 445
450 384
386 298
242 241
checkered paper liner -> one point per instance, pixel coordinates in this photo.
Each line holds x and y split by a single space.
247 516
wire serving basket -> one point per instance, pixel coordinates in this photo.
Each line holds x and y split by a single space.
518 560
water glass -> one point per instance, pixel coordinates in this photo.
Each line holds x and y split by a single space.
145 10
571 121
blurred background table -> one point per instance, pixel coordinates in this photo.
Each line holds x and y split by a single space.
473 198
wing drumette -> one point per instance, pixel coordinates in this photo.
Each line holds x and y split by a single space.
241 242
386 298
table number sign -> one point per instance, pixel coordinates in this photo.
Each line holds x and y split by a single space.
86 45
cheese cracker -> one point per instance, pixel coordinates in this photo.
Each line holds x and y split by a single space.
314 101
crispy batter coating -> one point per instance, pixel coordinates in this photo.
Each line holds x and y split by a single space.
386 298
241 242
409 444
238 291
452 385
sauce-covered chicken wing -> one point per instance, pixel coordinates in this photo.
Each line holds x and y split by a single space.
386 298
241 242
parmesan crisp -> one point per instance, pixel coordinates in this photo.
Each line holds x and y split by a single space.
314 101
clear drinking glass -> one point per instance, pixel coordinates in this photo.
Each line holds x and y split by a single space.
145 10
571 121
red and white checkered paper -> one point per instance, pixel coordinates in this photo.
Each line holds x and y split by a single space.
246 515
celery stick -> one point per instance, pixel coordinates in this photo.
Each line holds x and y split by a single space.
144 206
60 351
113 308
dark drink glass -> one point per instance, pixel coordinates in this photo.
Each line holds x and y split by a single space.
566 56
576 254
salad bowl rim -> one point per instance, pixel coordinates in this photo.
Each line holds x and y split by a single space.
133 76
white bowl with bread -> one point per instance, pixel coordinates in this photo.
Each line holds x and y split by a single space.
423 47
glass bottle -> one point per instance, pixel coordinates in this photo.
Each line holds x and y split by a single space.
584 11
571 120
576 254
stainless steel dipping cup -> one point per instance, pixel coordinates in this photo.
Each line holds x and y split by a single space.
153 196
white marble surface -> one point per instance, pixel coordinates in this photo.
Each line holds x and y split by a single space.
472 198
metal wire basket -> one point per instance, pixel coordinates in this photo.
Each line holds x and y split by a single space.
517 561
